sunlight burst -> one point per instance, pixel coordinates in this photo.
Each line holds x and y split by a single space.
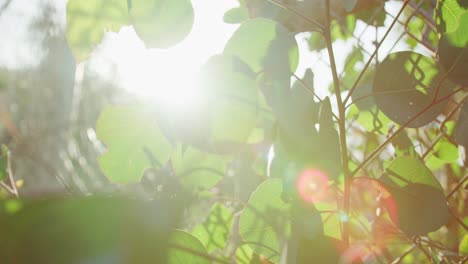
170 76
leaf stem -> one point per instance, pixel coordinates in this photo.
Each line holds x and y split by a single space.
341 121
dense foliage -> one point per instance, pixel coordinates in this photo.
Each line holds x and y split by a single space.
263 169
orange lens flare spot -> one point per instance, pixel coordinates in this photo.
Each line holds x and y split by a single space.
313 185
357 254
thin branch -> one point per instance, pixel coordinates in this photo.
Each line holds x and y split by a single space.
7 188
447 118
423 14
406 253
423 250
341 121
431 147
389 139
405 3
458 220
5 6
459 184
196 253
10 175
308 19
274 251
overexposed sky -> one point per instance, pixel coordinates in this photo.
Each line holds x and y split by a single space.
172 72
168 72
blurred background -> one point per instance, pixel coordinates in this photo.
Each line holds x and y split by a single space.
49 104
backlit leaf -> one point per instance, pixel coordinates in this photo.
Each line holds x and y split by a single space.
452 23
405 85
214 231
417 203
162 23
447 15
134 142
265 220
264 45
197 170
463 247
87 21
185 248
3 166
373 120
236 15
231 97
321 249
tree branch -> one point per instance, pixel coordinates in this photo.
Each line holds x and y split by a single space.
341 121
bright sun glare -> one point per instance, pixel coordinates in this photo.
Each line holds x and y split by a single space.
170 75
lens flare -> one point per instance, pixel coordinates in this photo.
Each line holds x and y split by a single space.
390 204
375 206
358 253
313 185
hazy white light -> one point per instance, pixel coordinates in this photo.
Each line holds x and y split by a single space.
170 75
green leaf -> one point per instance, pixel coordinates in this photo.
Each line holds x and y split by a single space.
405 84
232 100
454 58
265 222
284 15
264 45
236 15
93 229
162 23
316 41
434 163
417 204
3 162
4 149
449 127
328 136
244 254
185 248
197 170
303 99
463 247
460 131
343 28
458 37
134 142
350 71
362 97
87 21
214 231
296 114
321 249
403 145
446 151
374 16
452 23
372 120
297 145
447 15
306 219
